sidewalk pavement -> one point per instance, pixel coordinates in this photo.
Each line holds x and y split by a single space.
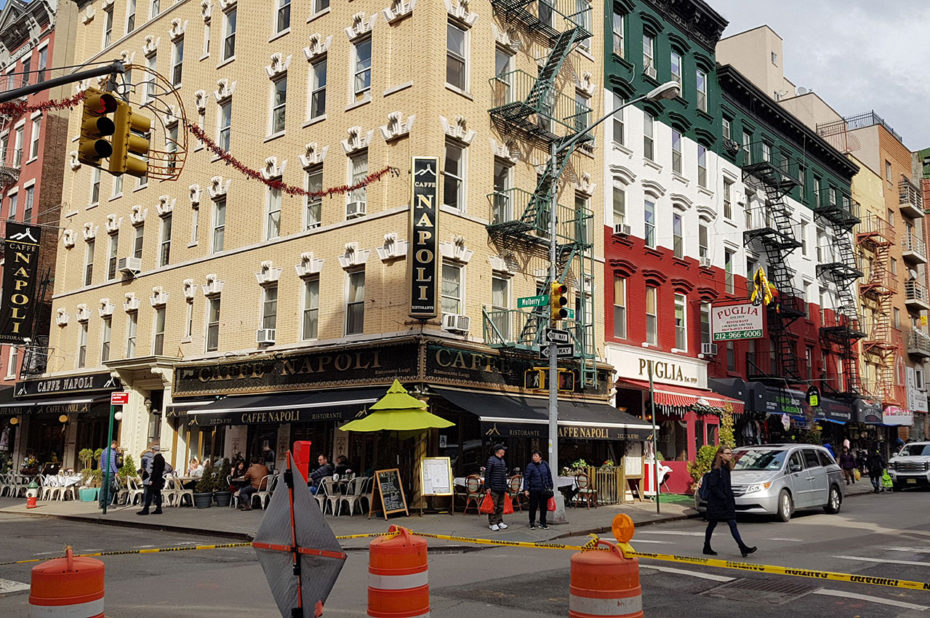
231 523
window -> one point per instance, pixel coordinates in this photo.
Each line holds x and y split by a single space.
583 227
355 303
158 341
89 262
171 146
311 323
117 187
894 266
731 356
816 192
156 8
4 147
618 119
649 54
164 250
206 38
652 334
273 217
18 147
178 63
213 324
619 207
649 217
451 288
14 201
95 186
619 307
766 152
502 76
802 181
890 218
702 165
358 170
804 226
229 35
278 105
821 246
678 241
131 327
728 199
728 269
283 21
36 132
137 241
809 361
681 322
676 67
747 147
727 129
130 15
453 193
195 224
225 117
189 320
105 339
701 83
500 305
151 62
320 5
897 318
706 335
318 88
82 345
43 64
219 224
703 251
582 17
888 171
456 57
314 203
676 151
808 298
648 141
619 32
27 207
112 257
582 112
107 27
362 70
27 70
270 307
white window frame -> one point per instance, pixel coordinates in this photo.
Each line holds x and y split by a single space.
177 62
679 76
130 16
676 152
503 198
19 137
728 257
229 34
316 98
218 226
95 186
649 147
618 126
701 88
278 105
112 256
702 166
189 319
678 238
319 6
151 63
310 322
619 34
195 225
649 225
214 306
620 306
500 290
282 13
154 9
356 176
681 323
138 241
649 54
727 199
224 124
273 202
451 179
81 360
457 56
351 303
35 133
618 206
158 331
164 243
361 90
652 319
452 301
107 26
106 334
269 312
313 206
12 360
88 272
132 332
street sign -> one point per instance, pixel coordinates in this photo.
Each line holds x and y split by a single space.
554 335
561 351
571 314
119 399
533 301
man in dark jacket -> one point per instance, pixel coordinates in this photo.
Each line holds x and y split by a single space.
848 464
316 477
495 479
537 484
876 469
155 483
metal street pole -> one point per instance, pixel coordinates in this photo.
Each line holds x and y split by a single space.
655 443
559 515
106 466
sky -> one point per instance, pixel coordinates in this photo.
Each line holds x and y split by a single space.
858 55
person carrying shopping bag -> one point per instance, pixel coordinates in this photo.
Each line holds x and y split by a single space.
495 479
537 485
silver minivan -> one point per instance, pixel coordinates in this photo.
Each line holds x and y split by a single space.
777 479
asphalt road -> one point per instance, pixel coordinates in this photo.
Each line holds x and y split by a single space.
885 535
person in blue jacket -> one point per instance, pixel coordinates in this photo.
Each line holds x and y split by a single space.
537 485
495 479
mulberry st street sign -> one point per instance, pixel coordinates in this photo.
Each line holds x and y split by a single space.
424 209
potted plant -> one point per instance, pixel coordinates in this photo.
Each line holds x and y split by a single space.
701 466
222 494
86 456
203 491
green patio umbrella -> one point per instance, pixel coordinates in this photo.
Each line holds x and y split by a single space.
397 411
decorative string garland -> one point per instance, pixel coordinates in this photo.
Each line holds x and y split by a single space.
17 108
277 184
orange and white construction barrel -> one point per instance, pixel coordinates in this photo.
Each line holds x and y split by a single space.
398 576
67 587
604 583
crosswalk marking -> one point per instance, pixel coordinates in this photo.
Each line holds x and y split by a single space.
670 532
698 574
865 597
779 538
916 550
8 585
654 541
907 562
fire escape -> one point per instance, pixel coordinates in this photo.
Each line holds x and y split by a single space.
771 228
877 236
839 267
531 108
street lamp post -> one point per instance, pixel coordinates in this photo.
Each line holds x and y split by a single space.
668 90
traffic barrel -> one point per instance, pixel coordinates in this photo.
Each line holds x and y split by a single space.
398 576
67 587
606 583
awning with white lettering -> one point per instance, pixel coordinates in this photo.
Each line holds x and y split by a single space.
680 397
297 407
52 405
509 415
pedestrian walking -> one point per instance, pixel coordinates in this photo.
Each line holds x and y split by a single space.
876 466
154 481
495 479
848 464
721 506
108 465
537 485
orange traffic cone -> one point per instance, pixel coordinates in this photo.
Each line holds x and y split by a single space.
67 586
398 577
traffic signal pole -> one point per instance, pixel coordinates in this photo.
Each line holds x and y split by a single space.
115 67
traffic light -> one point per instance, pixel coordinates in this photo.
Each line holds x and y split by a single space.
96 125
130 142
557 301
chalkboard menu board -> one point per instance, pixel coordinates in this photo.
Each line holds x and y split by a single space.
436 476
390 492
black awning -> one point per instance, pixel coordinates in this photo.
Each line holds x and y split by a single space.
73 404
298 407
509 415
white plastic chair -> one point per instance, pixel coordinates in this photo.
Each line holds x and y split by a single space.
182 493
4 484
65 488
135 490
51 488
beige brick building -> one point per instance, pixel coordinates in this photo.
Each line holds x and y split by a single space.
215 269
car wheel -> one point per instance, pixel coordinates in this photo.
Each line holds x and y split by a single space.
785 505
897 487
834 501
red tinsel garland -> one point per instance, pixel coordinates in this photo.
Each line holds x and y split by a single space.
277 184
17 108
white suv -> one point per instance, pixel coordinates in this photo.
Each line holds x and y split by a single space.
910 467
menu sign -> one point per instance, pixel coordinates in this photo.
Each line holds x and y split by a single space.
390 492
436 476
19 282
424 209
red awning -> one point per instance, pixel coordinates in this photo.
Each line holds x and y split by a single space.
682 396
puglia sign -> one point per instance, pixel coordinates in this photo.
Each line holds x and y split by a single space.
424 208
19 282
742 321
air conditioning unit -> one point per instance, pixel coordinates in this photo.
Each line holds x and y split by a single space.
265 335
706 262
650 70
709 349
355 209
129 265
622 229
455 322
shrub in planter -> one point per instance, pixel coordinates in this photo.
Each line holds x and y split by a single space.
128 470
203 491
86 456
222 494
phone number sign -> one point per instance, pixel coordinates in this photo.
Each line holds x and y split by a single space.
741 321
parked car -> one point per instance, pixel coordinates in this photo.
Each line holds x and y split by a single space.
777 479
910 467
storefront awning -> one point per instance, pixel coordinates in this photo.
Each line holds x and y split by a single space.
52 405
298 407
507 415
682 396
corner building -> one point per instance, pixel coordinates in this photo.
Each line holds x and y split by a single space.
237 314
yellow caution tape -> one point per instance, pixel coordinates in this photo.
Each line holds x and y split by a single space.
529 545
153 550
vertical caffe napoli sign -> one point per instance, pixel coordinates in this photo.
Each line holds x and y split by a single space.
20 268
424 209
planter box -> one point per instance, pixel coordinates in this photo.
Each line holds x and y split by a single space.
88 494
203 500
223 498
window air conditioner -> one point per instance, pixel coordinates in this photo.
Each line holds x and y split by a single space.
706 262
355 209
455 322
265 335
650 70
709 349
621 229
129 265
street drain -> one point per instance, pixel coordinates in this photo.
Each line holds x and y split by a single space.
771 591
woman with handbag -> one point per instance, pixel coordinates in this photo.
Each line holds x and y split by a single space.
537 485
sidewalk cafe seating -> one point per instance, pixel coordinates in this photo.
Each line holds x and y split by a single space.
585 493
265 487
354 494
514 485
473 494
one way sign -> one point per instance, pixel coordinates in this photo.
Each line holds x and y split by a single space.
561 351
